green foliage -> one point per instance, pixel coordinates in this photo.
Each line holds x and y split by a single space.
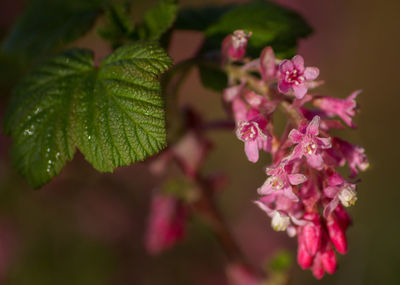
200 18
271 25
119 23
213 77
49 24
158 20
113 114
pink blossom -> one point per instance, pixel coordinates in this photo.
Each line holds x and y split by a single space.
253 133
234 46
344 108
166 223
280 180
354 155
341 191
259 102
309 144
294 76
285 214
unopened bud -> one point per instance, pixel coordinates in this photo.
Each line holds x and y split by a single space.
280 222
348 196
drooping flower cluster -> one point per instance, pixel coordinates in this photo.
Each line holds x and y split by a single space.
303 194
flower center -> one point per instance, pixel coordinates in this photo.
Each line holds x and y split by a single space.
310 148
248 131
294 77
275 182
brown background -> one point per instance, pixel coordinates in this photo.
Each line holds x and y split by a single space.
87 228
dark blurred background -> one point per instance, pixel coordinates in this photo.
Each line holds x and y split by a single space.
88 228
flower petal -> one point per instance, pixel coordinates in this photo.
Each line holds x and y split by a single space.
298 62
331 207
313 126
324 143
288 193
311 73
251 150
263 207
283 87
296 179
286 65
315 161
299 90
295 136
239 110
265 189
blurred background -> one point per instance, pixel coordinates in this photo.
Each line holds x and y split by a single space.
88 228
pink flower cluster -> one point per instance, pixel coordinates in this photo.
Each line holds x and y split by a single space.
303 194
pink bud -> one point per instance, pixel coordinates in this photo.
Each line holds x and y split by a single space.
166 223
318 268
342 217
329 262
268 67
337 235
304 259
234 46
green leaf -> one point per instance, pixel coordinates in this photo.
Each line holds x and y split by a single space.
200 18
119 115
212 77
158 19
49 24
271 25
119 23
113 114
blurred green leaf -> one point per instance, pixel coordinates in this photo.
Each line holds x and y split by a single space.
158 19
212 77
271 25
281 262
119 23
200 18
114 114
47 25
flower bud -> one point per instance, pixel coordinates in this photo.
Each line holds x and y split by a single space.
304 259
348 195
337 236
279 221
328 259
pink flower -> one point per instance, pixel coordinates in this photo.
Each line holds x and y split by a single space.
268 66
344 108
259 102
166 223
253 133
280 180
353 154
234 46
339 191
284 212
293 76
309 144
